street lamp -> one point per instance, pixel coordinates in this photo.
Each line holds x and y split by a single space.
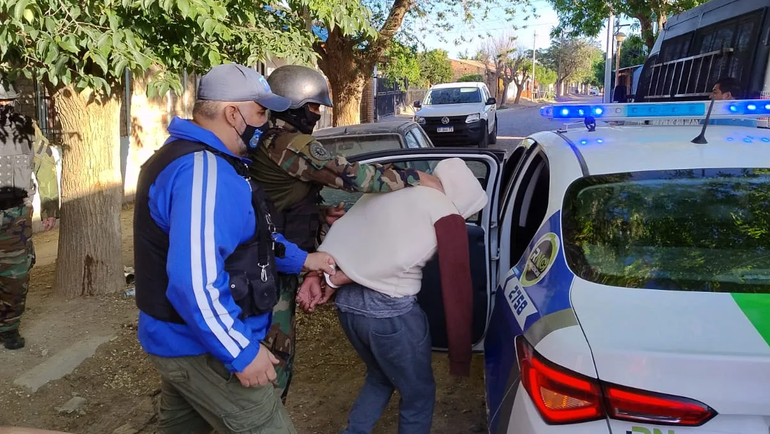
619 38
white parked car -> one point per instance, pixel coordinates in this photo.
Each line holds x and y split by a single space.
458 114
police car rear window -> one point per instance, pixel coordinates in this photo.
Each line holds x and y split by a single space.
688 230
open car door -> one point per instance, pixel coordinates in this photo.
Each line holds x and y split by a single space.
482 231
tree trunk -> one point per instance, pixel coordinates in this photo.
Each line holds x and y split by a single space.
647 34
90 258
347 88
519 91
347 73
503 99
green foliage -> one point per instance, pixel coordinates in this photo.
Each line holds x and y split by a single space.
402 65
468 78
90 44
572 58
597 79
545 76
587 17
633 51
435 67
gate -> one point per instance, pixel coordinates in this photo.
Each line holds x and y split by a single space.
385 98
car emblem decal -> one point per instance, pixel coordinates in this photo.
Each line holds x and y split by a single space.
540 259
445 120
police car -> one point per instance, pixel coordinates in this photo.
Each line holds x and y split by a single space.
621 273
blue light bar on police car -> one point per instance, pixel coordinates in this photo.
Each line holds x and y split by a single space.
669 110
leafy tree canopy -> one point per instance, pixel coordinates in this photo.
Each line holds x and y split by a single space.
587 17
89 44
351 41
402 65
571 58
632 51
469 78
435 67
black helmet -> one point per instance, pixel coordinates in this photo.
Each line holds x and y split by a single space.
300 84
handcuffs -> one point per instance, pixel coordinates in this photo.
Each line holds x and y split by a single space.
328 278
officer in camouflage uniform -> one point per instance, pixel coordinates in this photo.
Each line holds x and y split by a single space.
23 151
293 167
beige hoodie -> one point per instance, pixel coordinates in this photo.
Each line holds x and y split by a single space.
384 241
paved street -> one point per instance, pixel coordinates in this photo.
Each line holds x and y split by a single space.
518 122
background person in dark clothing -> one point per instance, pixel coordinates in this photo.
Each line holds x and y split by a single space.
727 88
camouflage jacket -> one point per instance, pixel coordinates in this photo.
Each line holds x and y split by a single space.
304 158
44 166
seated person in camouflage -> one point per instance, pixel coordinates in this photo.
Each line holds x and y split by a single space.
292 168
24 151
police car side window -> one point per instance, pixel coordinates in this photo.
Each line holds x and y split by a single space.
511 168
530 205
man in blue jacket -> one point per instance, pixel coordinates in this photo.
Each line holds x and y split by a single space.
206 254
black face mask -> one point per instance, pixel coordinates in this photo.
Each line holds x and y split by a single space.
301 118
311 119
251 134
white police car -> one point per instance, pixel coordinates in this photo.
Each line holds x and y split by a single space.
632 269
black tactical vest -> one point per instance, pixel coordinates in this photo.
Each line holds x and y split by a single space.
251 266
300 220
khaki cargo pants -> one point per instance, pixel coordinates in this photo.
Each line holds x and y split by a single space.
199 393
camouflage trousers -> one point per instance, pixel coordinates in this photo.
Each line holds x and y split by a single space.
280 338
16 259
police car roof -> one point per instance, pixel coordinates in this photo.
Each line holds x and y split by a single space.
619 149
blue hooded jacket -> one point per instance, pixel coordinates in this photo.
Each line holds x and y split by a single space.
210 207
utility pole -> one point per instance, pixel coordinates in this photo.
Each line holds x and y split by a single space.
608 61
534 47
559 79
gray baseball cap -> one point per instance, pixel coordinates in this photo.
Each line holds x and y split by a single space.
234 83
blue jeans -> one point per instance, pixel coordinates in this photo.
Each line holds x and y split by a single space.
397 354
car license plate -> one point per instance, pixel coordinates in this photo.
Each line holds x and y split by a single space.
445 129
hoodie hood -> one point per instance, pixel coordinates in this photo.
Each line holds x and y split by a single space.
461 186
183 129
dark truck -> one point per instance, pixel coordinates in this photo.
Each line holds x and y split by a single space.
721 38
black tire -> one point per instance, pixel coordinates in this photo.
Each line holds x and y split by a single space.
484 143
493 136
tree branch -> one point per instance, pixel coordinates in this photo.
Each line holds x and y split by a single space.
389 29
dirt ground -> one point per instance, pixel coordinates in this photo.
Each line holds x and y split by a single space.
120 386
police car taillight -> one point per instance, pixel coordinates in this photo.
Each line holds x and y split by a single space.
562 396
643 406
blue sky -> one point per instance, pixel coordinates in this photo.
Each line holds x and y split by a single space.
498 25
